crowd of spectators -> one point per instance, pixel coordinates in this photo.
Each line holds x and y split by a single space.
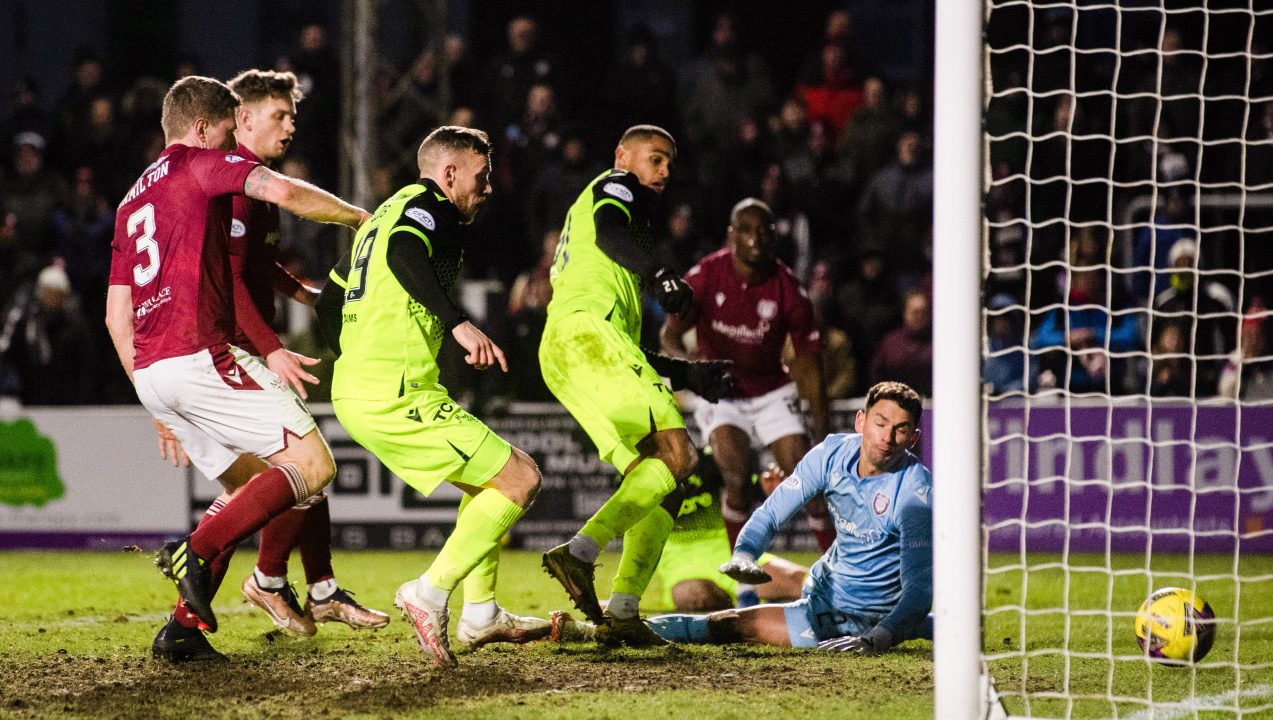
841 155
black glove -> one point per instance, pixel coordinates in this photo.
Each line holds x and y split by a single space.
673 294
710 379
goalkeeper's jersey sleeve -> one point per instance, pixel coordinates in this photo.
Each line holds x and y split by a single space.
584 279
389 341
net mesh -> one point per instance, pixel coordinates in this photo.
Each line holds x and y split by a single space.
1127 362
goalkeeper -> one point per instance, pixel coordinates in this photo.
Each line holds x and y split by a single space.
873 588
593 364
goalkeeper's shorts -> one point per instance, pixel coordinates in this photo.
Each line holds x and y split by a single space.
812 619
604 380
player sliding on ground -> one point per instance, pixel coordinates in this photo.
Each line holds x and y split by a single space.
389 326
593 363
873 588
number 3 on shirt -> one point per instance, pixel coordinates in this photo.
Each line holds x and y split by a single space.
145 217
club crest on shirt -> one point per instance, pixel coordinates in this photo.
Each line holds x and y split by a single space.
720 299
237 228
766 309
880 504
617 190
421 216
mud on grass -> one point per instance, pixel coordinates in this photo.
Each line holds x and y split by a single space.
76 628
535 681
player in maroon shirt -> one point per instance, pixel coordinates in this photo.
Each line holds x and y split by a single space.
265 122
747 304
170 312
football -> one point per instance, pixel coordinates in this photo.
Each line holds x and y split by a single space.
1175 624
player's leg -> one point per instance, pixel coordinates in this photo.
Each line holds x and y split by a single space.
602 377
764 624
674 455
326 600
498 502
482 620
699 595
788 579
731 447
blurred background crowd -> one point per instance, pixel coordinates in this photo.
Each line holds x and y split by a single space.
1102 284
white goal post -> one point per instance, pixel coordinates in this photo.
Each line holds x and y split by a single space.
1103 354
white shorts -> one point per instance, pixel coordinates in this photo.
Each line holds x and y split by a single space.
220 403
774 415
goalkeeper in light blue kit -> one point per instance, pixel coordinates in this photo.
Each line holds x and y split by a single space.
874 587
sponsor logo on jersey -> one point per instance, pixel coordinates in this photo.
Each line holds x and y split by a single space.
792 482
233 158
880 504
421 216
766 309
617 190
237 228
742 333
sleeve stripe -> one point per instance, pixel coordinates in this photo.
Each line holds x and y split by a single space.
407 228
607 201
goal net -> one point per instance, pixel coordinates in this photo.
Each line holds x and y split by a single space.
1127 351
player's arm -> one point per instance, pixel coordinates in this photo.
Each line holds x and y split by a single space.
119 323
289 366
791 495
291 286
710 379
806 363
409 261
614 201
301 198
908 618
672 335
806 371
330 303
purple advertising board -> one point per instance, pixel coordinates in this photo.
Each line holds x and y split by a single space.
1133 476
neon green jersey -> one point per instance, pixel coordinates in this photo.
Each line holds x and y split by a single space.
389 342
584 279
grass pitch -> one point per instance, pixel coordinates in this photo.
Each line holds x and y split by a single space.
75 633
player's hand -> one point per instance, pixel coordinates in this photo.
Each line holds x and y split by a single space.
874 642
290 368
771 478
710 379
745 570
482 353
675 296
170 447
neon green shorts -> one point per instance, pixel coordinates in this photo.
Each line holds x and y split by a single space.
696 556
425 438
604 380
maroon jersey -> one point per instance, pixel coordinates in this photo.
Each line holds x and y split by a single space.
171 244
749 323
257 274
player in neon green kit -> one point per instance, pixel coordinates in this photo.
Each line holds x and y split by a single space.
394 313
592 361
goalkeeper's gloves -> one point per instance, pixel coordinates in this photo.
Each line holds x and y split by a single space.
709 379
675 296
873 642
743 568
